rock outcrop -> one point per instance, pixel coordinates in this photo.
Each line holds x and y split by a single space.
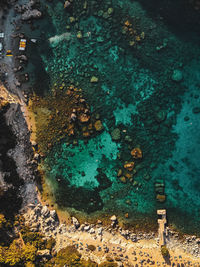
31 14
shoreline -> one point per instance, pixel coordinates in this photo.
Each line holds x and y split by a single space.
110 241
71 234
140 243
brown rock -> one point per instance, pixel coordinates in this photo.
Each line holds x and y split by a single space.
161 198
129 166
123 179
84 118
136 153
128 175
86 134
119 173
90 127
98 126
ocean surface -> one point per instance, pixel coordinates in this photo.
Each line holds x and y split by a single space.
145 58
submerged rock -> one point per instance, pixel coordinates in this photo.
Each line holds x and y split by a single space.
98 126
161 198
177 75
161 116
84 118
67 4
129 166
136 153
115 134
79 35
196 110
94 79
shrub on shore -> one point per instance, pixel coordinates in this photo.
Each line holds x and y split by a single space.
165 251
91 247
71 257
33 238
16 254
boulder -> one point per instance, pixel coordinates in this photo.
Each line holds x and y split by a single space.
49 221
161 116
37 210
53 214
136 153
84 118
45 211
98 126
100 231
67 4
79 35
75 222
24 58
73 117
110 11
94 79
87 228
31 14
92 231
161 198
129 166
113 218
44 253
177 75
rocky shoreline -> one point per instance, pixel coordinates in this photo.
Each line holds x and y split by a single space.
15 13
112 240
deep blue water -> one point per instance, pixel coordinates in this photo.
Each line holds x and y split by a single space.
134 50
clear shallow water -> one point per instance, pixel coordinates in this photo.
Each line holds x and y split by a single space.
134 93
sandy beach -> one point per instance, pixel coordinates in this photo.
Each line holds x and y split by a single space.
109 242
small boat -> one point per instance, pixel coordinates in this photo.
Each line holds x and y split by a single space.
33 40
9 53
22 44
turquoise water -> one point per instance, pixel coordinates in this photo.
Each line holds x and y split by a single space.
137 92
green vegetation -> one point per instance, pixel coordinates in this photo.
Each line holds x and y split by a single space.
16 254
21 250
91 247
71 257
5 227
33 238
50 243
165 251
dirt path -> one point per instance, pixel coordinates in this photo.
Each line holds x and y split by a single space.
7 63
